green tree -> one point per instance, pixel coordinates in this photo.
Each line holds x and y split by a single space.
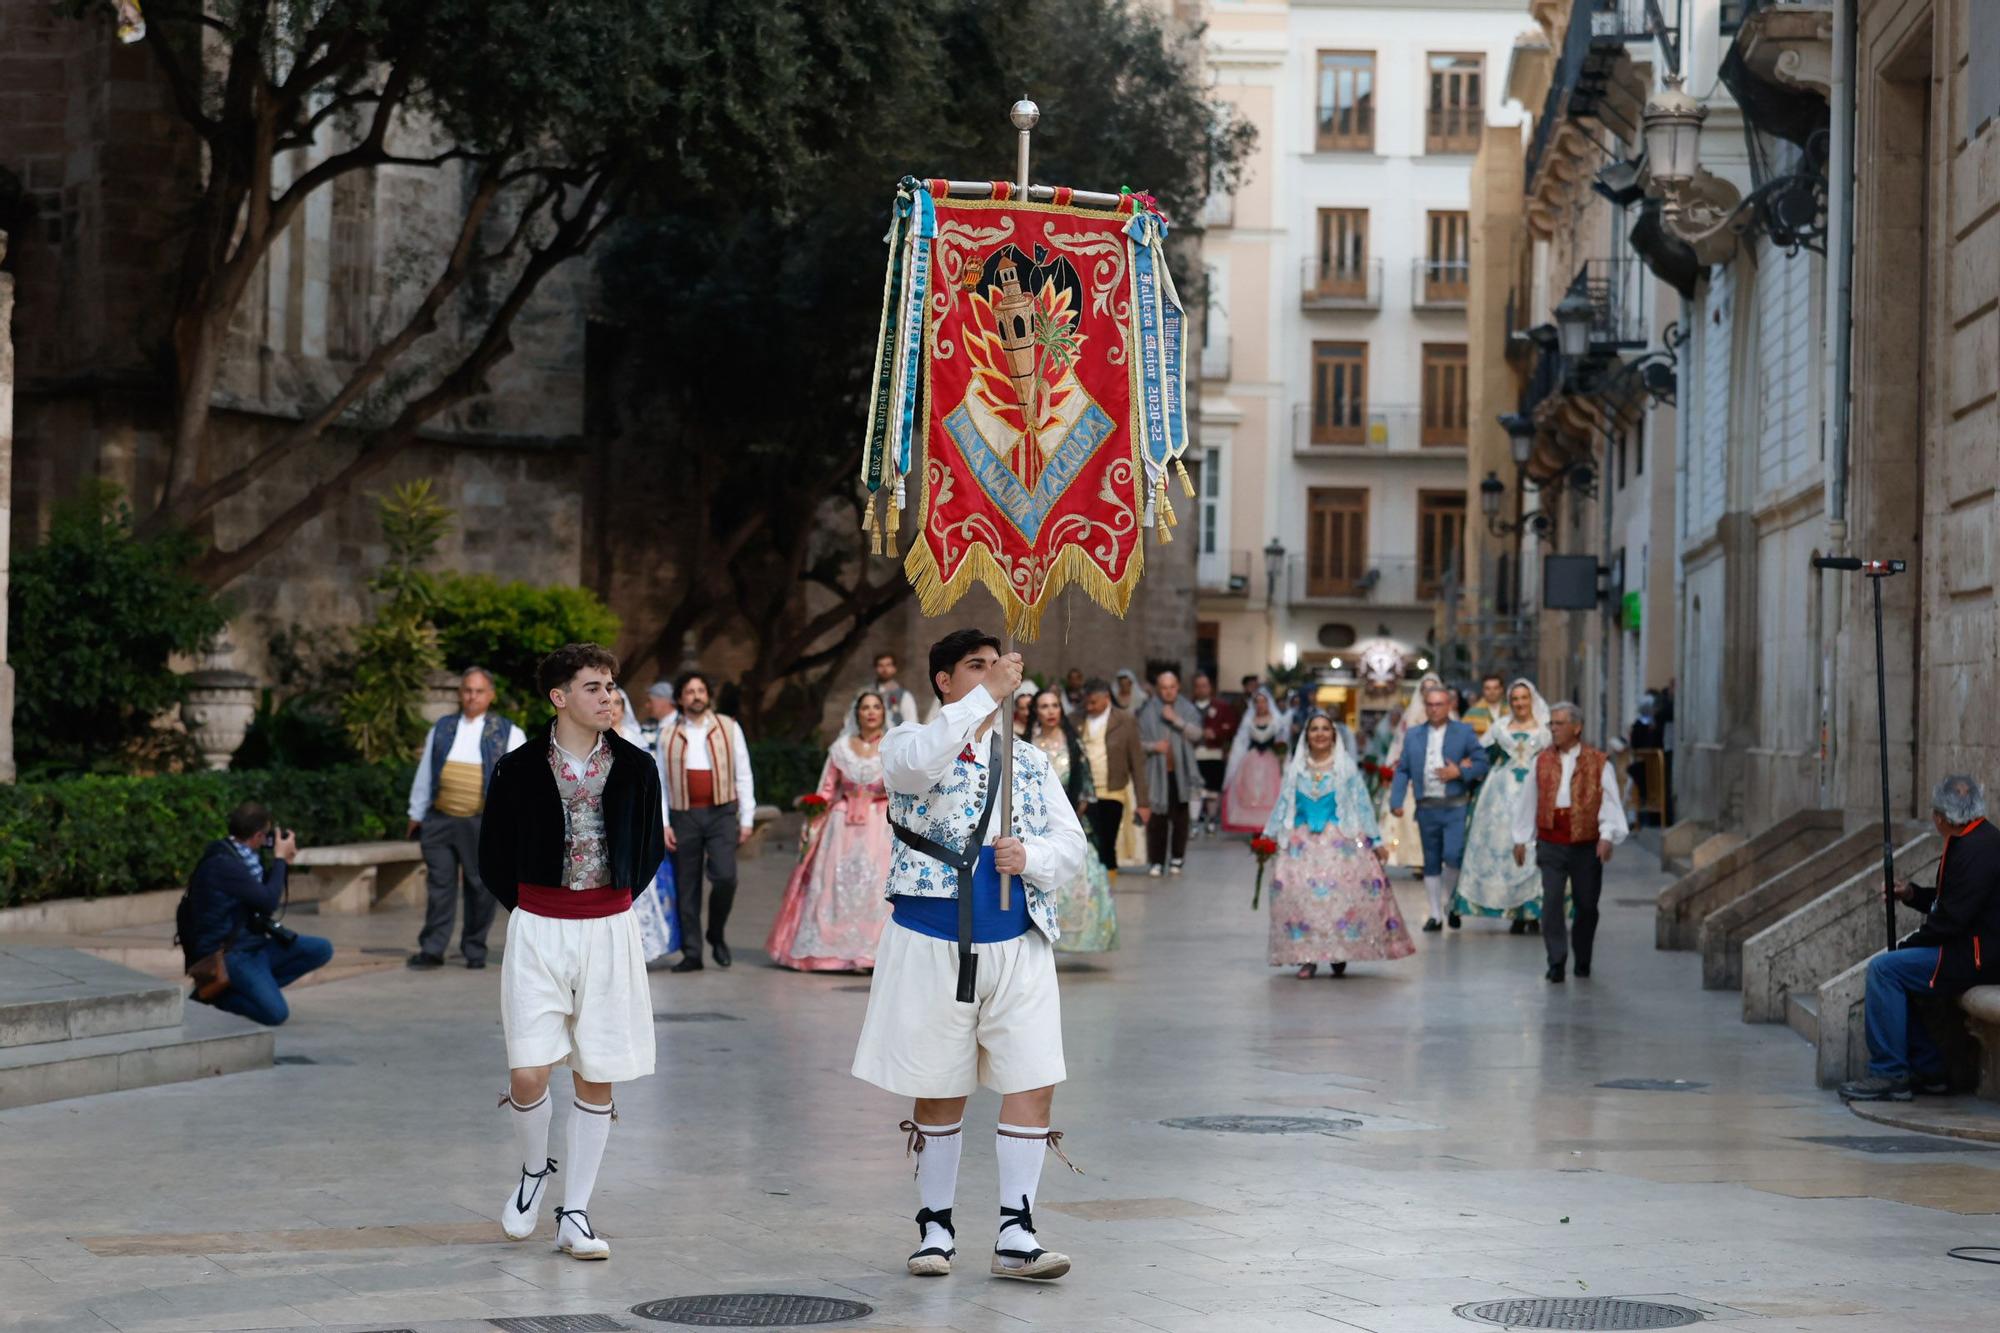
395 654
751 313
96 613
534 123
508 628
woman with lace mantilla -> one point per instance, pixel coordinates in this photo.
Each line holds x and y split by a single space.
1331 904
1083 904
833 910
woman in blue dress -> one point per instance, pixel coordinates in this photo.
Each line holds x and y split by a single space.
1331 903
1491 884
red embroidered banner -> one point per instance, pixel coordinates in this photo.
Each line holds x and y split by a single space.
1031 470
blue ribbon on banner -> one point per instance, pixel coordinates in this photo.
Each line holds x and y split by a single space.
916 286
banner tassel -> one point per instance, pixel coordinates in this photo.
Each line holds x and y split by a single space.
889 528
868 514
1187 487
1167 516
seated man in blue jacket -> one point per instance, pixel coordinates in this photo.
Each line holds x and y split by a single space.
1440 762
231 898
1944 957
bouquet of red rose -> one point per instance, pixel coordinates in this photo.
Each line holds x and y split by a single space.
814 805
1263 849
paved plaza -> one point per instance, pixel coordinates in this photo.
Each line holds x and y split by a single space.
1458 1135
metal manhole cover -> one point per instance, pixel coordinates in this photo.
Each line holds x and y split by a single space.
1263 1124
561 1323
752 1310
1653 1084
1578 1312
696 1018
1894 1143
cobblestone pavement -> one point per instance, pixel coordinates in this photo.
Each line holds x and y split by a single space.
1457 1139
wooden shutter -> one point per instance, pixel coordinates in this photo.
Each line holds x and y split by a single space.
1447 256
1342 269
1445 393
1440 539
1346 102
1336 540
1455 113
1340 393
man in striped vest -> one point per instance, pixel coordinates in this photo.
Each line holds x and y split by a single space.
1574 818
712 808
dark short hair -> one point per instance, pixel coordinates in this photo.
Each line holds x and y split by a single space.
954 648
1097 685
891 656
248 819
687 678
1248 680
559 668
1491 675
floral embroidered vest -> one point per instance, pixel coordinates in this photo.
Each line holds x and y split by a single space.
947 814
1578 823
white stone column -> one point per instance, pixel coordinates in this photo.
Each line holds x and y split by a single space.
6 509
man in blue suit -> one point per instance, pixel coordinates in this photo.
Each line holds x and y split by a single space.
1440 762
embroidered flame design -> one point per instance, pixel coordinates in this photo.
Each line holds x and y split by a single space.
1056 345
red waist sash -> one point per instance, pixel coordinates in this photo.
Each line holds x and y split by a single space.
574 904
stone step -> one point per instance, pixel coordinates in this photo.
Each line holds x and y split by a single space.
56 995
207 1043
1802 1015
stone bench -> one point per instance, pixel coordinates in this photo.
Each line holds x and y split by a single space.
1686 903
1981 1006
1826 936
1723 932
1841 1038
355 878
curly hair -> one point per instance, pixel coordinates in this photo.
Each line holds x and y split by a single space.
559 668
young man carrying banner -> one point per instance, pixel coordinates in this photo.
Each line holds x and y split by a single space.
965 993
574 831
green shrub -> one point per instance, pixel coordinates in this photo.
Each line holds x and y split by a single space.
396 652
96 611
785 770
508 628
100 836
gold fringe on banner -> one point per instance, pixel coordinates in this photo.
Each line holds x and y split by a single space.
1187 487
935 595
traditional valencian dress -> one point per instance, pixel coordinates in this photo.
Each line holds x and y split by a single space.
1331 902
833 910
1255 770
1084 909
1491 884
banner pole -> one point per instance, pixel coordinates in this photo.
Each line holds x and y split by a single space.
1025 115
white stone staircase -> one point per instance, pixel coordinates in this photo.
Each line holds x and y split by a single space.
72 1024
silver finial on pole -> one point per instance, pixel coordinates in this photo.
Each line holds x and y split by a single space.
1025 115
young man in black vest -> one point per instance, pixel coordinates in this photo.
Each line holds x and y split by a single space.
575 831
446 799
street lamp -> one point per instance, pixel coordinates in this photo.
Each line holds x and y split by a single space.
1491 492
1574 314
1672 123
1274 568
1520 428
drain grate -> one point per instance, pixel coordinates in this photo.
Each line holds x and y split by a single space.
1578 1312
1653 1084
1264 1124
752 1310
696 1018
1894 1143
561 1323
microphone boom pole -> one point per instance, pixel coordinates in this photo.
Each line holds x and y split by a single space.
1876 571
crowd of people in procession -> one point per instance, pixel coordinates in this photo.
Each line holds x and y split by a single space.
614 845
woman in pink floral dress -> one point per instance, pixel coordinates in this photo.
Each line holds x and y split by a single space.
833 911
1332 903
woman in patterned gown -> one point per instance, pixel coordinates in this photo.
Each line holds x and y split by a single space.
1084 910
1256 766
1491 884
1331 902
833 911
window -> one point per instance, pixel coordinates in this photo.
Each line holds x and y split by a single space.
1623 449
1346 116
1336 540
1440 537
1639 453
1730 17
1340 393
1447 256
1444 393
1343 253
1211 497
351 261
1455 115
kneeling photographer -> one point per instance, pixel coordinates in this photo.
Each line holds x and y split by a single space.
240 957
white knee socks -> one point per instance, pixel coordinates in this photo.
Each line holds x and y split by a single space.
937 1176
1020 1149
531 1132
1434 890
589 1127
1449 889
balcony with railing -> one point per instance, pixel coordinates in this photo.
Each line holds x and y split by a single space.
1216 358
1324 579
1325 283
1453 129
1399 430
1594 77
1225 573
1440 284
1616 290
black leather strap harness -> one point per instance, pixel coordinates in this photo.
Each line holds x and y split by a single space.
963 861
